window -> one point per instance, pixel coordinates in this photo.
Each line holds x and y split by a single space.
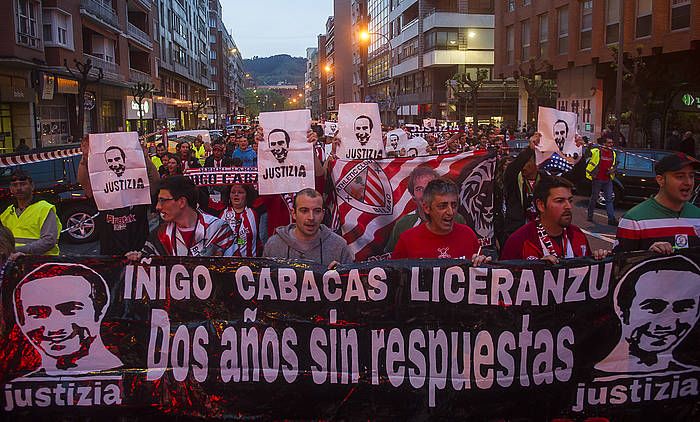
586 25
525 39
680 14
27 31
510 45
612 21
643 18
58 28
544 34
212 54
103 48
527 2
511 5
563 32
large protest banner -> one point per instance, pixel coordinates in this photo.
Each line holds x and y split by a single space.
373 194
265 339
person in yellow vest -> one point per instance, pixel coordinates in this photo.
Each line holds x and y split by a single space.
34 223
600 170
157 159
200 151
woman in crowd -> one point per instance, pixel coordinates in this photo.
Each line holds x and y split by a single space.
244 221
171 166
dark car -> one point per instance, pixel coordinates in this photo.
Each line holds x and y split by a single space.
56 181
635 180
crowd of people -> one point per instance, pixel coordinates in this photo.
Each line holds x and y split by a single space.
534 218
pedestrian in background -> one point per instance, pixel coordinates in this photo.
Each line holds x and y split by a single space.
600 170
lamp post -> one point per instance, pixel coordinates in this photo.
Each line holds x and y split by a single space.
365 36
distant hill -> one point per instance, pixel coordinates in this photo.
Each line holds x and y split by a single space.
273 70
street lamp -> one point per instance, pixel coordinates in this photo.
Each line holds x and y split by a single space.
364 36
327 68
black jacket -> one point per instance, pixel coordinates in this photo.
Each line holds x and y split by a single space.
225 161
515 209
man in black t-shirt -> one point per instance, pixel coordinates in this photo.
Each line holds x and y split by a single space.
123 229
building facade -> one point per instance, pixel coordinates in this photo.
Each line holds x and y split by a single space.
226 104
44 47
573 42
312 87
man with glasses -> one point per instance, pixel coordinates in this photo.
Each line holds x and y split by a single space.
185 231
307 238
33 222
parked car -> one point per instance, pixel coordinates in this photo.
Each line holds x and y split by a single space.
635 180
56 181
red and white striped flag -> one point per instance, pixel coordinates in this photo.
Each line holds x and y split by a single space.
372 195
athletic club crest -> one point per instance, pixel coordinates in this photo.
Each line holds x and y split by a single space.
366 188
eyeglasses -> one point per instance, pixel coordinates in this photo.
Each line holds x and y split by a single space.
162 201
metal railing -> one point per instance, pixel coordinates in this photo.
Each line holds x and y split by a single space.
107 67
101 11
139 76
145 3
134 31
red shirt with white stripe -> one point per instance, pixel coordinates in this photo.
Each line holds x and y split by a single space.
245 227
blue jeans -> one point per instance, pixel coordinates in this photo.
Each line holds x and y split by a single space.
607 187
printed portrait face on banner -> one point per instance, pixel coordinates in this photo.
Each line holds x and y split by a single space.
59 308
360 132
115 159
560 132
658 305
278 142
363 129
286 159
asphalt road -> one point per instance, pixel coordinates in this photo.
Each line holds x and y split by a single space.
600 234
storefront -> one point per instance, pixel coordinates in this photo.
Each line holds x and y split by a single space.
16 113
57 96
134 121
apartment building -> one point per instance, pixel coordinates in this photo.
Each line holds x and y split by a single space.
38 94
183 63
312 88
225 104
574 41
378 52
431 41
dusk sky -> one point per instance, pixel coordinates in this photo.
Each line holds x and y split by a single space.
268 27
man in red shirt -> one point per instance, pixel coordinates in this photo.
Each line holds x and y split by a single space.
600 170
552 236
440 236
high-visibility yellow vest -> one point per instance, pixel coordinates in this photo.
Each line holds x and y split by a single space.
156 161
594 161
27 227
200 153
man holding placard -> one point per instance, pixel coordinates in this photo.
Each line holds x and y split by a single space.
122 223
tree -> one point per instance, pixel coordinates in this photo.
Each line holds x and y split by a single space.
84 80
467 91
198 102
533 74
140 91
634 78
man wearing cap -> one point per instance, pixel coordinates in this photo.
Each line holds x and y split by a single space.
667 221
34 223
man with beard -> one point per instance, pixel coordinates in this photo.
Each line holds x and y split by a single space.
551 236
667 221
440 236
59 308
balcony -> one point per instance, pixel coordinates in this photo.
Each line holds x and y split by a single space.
138 76
138 35
110 69
457 20
100 11
146 4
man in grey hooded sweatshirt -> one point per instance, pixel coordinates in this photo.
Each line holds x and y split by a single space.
307 238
